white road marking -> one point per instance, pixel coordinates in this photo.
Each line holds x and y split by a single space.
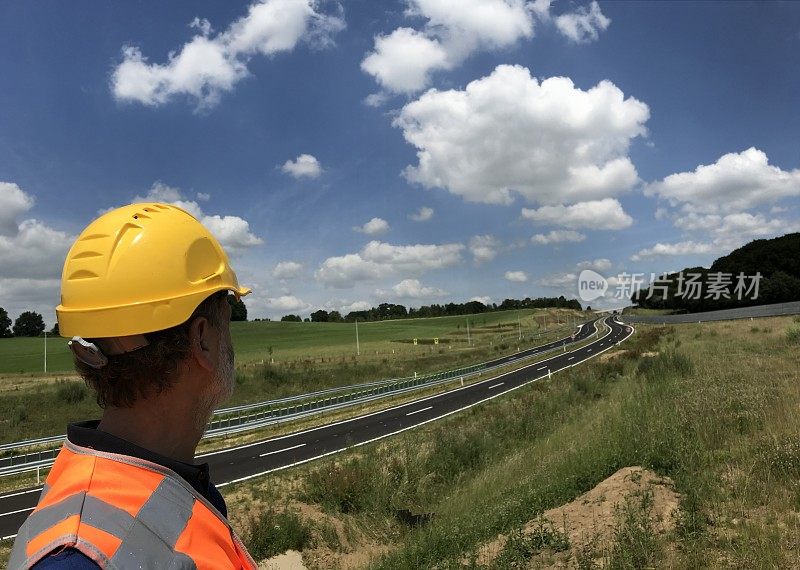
570 358
418 411
281 450
495 386
542 368
15 512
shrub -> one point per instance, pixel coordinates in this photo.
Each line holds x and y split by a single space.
665 364
273 532
342 488
521 547
18 415
793 334
70 392
635 542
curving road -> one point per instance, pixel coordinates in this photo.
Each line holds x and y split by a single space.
252 460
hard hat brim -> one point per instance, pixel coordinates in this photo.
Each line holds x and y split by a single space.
137 318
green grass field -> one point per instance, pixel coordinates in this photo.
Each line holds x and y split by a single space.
300 340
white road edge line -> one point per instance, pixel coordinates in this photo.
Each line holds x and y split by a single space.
493 396
418 411
15 512
281 450
495 386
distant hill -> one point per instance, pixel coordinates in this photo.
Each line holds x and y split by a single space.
777 260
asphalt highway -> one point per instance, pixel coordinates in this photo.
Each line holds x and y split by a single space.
252 460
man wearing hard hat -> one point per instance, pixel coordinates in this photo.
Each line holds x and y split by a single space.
144 299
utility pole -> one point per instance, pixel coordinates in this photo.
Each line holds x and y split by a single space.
45 351
469 341
519 327
358 346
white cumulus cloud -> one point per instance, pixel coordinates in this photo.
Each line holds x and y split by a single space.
378 260
405 60
583 25
510 134
735 182
305 165
606 214
516 276
422 215
373 227
673 249
485 299
29 249
287 270
558 236
412 289
484 248
13 203
207 66
287 303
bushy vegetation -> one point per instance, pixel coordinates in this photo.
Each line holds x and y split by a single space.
71 392
273 532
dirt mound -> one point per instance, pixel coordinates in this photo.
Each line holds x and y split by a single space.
592 518
289 560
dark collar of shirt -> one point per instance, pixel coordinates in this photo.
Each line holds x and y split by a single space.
86 434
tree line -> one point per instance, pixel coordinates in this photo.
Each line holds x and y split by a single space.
388 311
29 323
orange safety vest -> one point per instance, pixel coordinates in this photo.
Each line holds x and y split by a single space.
124 513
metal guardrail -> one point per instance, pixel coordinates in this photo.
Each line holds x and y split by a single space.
775 310
285 409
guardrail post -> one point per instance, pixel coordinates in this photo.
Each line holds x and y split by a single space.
549 374
37 475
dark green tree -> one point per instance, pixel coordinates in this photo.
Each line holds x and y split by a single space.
55 331
335 317
29 323
238 309
320 316
291 319
5 324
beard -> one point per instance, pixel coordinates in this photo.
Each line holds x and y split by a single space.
221 386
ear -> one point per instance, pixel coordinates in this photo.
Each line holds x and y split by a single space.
200 339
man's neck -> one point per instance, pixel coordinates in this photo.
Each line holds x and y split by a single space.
163 425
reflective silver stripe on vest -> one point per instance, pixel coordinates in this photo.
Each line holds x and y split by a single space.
147 540
150 541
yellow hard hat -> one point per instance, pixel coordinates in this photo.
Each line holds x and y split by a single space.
139 269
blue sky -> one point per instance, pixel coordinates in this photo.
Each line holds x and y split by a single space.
631 137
